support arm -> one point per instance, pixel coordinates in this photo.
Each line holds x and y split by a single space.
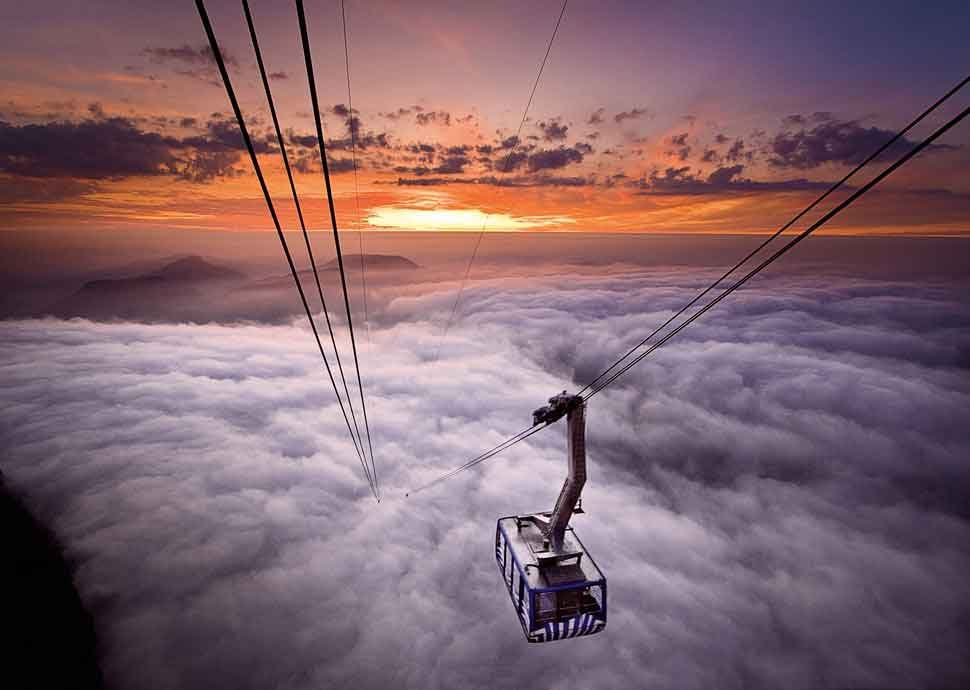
573 486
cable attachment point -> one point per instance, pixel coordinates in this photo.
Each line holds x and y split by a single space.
559 406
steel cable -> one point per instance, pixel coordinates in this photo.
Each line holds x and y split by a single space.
299 213
304 35
230 92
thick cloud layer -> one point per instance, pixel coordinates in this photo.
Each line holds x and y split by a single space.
779 498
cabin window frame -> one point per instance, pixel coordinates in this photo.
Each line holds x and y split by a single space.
558 608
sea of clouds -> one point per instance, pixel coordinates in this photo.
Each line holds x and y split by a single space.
779 498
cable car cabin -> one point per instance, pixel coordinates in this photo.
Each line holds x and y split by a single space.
556 588
557 594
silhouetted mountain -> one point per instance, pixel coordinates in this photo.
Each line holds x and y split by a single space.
376 262
173 291
186 270
190 288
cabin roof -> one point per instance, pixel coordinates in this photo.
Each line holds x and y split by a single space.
526 543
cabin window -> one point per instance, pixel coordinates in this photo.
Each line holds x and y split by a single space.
568 603
545 606
515 583
596 593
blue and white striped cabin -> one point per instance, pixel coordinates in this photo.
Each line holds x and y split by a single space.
555 595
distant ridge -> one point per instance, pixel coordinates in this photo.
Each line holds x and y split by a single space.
195 268
377 262
172 288
185 270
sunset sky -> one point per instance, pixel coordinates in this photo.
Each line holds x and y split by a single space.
779 495
650 117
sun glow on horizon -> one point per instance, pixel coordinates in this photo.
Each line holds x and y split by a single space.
470 219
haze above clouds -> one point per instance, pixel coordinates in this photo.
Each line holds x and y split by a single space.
779 497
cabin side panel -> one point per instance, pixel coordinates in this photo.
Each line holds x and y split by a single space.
514 576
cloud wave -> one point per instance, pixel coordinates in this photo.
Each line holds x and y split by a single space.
779 499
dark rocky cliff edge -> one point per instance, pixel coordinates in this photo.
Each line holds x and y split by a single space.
50 638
